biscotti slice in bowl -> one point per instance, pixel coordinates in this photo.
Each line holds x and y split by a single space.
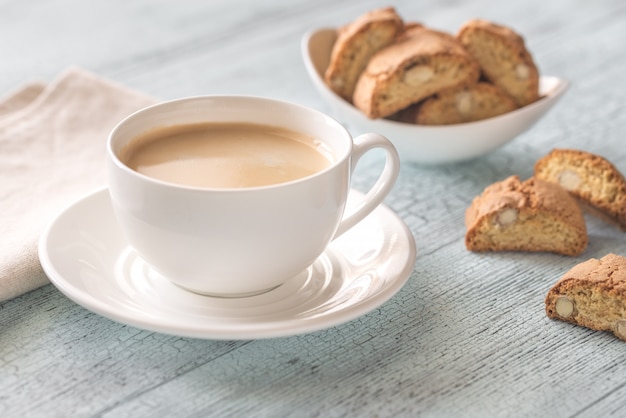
593 295
503 58
593 180
356 43
420 63
467 104
529 216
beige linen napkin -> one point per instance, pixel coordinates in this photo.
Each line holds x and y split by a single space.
52 151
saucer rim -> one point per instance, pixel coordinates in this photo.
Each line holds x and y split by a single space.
230 331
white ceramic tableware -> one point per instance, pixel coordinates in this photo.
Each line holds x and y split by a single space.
240 241
86 255
428 144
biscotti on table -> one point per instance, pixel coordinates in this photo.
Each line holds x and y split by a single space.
544 213
529 216
595 182
408 72
593 295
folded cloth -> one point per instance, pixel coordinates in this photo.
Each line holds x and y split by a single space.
52 151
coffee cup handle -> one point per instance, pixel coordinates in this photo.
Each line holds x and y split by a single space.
382 187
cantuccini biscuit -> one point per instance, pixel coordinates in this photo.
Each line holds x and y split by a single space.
503 58
593 295
420 63
594 181
533 216
355 44
468 104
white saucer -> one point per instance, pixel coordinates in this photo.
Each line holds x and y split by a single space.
85 255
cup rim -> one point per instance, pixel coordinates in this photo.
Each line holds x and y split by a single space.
335 162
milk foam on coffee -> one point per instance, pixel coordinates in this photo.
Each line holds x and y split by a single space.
225 155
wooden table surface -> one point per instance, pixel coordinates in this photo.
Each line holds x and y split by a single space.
466 336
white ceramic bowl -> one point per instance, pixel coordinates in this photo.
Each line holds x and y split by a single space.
428 144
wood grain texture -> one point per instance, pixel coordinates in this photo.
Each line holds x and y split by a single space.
466 336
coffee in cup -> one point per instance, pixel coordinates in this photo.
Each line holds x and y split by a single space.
238 239
225 155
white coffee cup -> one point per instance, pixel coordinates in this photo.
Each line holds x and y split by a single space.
242 241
